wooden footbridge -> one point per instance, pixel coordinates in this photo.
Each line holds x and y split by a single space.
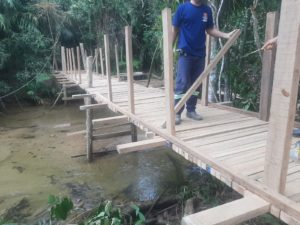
248 154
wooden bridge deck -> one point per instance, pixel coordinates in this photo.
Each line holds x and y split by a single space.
236 141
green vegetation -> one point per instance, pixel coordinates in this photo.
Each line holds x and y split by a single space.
60 207
31 33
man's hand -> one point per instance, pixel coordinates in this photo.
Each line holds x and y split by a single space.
270 44
218 34
228 35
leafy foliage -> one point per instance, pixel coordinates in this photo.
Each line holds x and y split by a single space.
60 207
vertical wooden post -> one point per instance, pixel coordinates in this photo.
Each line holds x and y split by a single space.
268 67
129 66
63 60
78 64
168 70
89 63
101 62
284 97
205 84
74 64
70 62
89 129
96 61
67 60
108 71
65 94
83 56
117 61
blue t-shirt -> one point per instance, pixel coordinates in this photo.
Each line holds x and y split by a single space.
192 22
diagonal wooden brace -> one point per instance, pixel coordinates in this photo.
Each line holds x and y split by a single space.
208 69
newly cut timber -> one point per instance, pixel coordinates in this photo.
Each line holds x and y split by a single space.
82 96
207 70
108 69
205 84
231 213
110 120
140 145
110 135
93 106
284 97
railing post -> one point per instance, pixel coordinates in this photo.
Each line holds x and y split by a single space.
70 62
96 61
108 71
268 67
83 56
168 70
101 62
205 84
117 61
78 64
63 59
67 60
74 64
89 129
89 63
284 97
129 66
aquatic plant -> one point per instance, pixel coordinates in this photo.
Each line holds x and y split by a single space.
60 207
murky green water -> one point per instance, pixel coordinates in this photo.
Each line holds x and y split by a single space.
36 160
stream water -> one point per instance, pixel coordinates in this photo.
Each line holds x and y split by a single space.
38 157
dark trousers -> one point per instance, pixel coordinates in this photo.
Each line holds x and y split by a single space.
189 69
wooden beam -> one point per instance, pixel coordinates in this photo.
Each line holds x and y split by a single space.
82 96
89 130
205 84
93 106
63 59
284 97
230 213
78 64
96 61
207 70
110 120
74 63
268 67
111 135
168 70
117 61
71 64
101 62
89 62
140 145
108 71
83 56
129 66
232 109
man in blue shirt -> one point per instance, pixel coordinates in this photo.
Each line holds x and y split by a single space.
192 20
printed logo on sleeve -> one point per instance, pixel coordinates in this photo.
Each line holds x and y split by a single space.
205 17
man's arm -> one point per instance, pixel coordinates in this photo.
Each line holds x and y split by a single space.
218 34
270 44
175 34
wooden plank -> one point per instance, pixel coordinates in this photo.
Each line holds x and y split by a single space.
129 66
232 109
93 106
168 70
78 64
111 135
207 70
140 145
268 67
110 120
81 96
83 56
117 61
205 84
284 97
230 213
108 71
